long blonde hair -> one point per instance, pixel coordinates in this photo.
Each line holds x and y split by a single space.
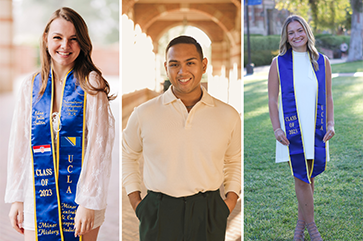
83 64
284 44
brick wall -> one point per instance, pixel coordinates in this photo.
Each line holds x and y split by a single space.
6 47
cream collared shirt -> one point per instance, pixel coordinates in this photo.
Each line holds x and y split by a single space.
184 153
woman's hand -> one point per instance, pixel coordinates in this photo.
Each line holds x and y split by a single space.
83 221
330 132
16 216
281 137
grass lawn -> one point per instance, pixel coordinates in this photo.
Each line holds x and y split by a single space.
351 67
270 205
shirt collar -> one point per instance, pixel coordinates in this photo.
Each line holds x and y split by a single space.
169 97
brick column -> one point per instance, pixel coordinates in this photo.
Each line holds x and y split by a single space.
235 57
6 46
220 56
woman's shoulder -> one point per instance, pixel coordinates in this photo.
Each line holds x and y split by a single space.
323 59
96 80
27 80
23 85
326 59
274 62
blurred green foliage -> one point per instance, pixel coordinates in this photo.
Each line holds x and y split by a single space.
265 48
322 15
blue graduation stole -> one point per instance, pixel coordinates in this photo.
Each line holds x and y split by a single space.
56 173
299 167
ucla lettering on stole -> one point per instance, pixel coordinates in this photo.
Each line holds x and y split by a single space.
58 222
71 156
321 117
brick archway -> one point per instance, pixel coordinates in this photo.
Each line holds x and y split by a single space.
219 19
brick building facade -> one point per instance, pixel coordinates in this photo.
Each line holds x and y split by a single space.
265 19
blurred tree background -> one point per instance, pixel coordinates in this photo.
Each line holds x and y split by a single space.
334 22
333 16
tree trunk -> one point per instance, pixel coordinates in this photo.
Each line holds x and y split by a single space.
314 12
356 36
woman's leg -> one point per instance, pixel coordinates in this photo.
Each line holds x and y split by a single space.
91 235
300 213
29 235
304 194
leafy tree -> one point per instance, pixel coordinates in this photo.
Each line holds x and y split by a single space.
356 40
321 14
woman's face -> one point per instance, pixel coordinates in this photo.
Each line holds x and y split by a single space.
296 36
62 43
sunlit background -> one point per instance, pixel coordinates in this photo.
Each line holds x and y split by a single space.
145 36
22 23
147 26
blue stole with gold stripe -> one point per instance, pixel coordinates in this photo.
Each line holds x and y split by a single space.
56 173
293 131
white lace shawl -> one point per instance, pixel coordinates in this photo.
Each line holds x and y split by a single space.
92 186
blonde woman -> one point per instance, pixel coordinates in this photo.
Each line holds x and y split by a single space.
302 116
61 139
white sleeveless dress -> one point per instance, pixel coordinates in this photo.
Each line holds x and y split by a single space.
306 92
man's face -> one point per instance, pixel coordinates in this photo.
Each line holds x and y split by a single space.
185 68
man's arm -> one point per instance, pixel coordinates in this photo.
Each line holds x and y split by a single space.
135 199
131 153
231 200
232 167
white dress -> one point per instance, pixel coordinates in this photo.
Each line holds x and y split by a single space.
306 91
93 182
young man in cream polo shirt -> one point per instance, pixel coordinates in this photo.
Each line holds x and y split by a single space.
191 144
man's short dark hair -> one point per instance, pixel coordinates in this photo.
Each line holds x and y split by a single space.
185 40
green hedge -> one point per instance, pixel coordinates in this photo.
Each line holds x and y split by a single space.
265 48
270 42
331 42
260 57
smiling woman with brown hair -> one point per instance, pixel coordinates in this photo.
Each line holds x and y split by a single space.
61 139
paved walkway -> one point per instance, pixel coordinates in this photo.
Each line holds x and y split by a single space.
110 229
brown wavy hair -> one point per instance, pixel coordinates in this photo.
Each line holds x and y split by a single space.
83 65
284 45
